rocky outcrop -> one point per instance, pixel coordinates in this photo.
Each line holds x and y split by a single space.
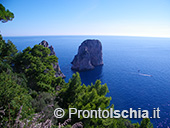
89 55
55 65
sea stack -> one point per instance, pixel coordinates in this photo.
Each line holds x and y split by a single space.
89 55
56 66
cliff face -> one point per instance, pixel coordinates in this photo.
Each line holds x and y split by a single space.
89 55
55 65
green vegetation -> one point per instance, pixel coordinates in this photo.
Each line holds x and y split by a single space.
5 15
13 95
29 91
36 64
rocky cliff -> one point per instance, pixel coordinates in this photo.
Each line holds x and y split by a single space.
55 65
89 55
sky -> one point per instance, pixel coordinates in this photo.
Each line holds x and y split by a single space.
148 18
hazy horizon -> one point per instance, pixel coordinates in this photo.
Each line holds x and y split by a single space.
84 35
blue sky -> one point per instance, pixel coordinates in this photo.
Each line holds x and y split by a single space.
88 17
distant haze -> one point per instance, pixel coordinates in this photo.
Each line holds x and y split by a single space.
149 18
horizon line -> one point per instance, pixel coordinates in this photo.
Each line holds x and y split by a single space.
86 35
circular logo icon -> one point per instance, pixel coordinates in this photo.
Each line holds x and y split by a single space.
59 112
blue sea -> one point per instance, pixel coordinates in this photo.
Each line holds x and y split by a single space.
123 58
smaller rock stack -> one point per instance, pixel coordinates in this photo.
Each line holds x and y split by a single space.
55 65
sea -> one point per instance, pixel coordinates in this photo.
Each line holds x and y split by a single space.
136 69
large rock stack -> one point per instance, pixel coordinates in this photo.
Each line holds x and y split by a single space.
89 55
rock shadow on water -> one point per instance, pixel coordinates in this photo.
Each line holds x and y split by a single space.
90 76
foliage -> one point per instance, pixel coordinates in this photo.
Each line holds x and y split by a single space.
145 123
82 97
45 102
7 52
5 15
36 64
13 95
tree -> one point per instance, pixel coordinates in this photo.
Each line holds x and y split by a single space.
36 64
7 50
7 53
13 96
82 97
145 123
5 15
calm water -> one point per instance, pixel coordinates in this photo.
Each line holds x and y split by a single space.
123 57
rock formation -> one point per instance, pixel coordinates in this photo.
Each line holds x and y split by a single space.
89 55
55 65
